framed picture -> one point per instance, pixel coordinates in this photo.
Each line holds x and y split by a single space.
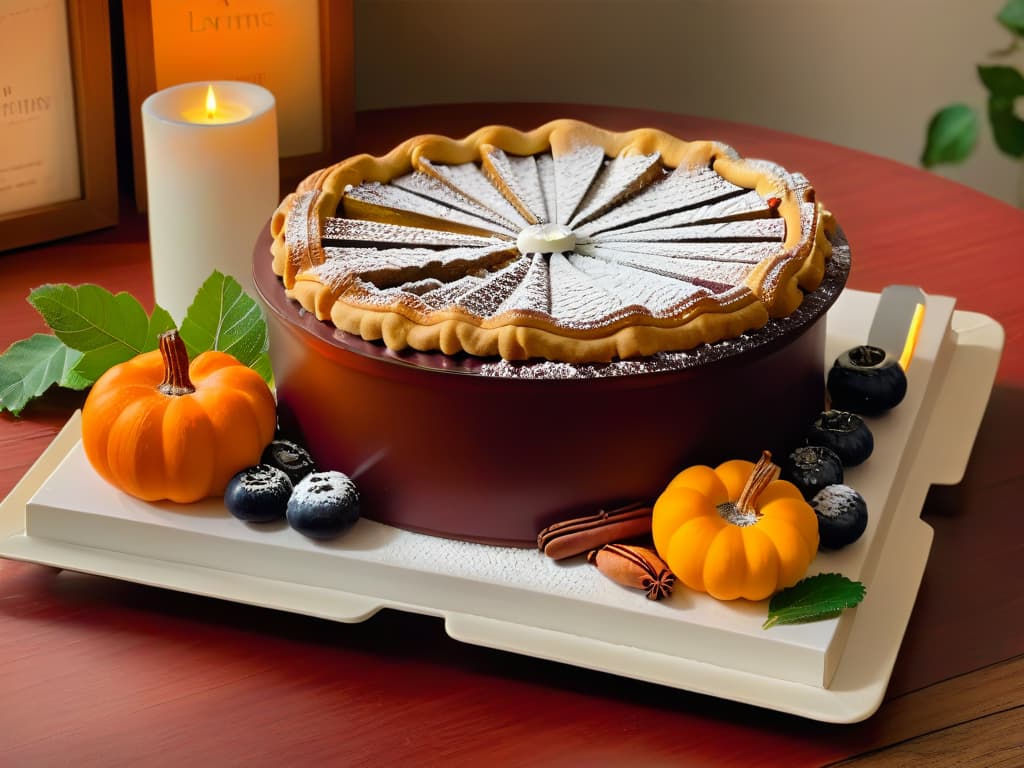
300 50
58 160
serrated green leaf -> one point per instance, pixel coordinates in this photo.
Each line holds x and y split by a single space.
1006 82
106 328
951 135
1012 16
1007 128
31 366
815 598
224 317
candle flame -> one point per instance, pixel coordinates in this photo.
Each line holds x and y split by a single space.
912 335
211 103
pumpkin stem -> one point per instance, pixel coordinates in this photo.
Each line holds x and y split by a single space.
764 472
176 380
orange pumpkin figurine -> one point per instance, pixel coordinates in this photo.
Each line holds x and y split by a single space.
736 530
158 428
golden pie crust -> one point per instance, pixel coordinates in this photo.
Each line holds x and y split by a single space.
418 260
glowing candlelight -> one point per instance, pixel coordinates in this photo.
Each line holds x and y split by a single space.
913 333
214 112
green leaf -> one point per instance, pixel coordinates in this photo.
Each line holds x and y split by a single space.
159 322
1002 81
224 317
1007 128
1012 16
262 367
31 366
952 133
95 330
105 328
819 597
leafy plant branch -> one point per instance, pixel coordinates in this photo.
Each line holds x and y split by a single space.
94 330
953 130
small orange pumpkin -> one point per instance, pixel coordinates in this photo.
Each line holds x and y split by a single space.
735 530
159 428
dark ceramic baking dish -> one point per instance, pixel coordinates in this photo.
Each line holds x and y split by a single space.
492 452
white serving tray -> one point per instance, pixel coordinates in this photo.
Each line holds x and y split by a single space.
62 514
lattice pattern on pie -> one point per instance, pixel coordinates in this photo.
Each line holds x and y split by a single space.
568 243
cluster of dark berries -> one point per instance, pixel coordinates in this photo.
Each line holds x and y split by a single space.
817 470
286 484
863 381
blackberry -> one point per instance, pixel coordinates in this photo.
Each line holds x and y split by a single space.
845 433
866 380
258 494
323 505
842 516
811 467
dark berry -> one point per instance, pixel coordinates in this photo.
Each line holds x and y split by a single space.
258 494
323 505
842 515
866 380
811 467
845 433
290 457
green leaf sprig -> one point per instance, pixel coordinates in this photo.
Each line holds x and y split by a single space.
94 330
953 130
819 597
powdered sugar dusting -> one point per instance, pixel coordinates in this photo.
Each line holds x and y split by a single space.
393 266
264 480
746 205
330 487
546 176
574 173
697 271
390 198
450 294
681 189
754 229
431 188
742 253
533 294
485 300
813 305
381 233
620 178
523 171
577 301
833 501
298 236
471 182
651 242
649 291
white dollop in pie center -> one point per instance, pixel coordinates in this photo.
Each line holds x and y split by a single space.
546 238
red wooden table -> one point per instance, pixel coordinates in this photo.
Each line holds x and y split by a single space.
99 672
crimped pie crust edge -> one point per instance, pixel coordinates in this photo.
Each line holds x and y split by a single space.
776 285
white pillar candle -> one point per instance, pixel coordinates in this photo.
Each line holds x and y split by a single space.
212 183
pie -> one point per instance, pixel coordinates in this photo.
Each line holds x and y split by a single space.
567 243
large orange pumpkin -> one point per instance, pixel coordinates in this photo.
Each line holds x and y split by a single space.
159 428
735 530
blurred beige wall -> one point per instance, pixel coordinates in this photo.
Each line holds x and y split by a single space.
864 74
